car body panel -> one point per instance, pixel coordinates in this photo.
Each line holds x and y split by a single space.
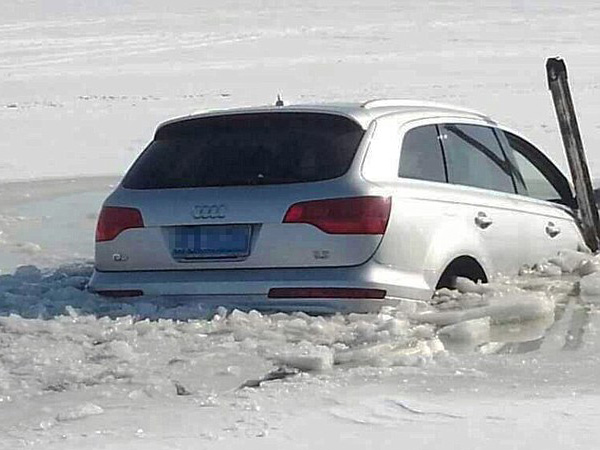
250 287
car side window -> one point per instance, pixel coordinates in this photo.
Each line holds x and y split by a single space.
537 185
541 178
421 156
475 158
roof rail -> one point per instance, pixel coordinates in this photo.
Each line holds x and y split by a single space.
385 102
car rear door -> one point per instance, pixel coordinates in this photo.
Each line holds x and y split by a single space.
483 191
545 201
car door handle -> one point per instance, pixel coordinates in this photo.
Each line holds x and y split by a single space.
552 230
482 220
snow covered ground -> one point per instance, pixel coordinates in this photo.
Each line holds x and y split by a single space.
82 86
83 83
49 222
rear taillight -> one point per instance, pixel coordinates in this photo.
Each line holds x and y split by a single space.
356 215
113 220
359 293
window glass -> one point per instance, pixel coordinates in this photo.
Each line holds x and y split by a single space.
536 183
475 158
247 149
421 156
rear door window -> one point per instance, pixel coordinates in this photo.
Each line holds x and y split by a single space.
541 178
421 156
247 149
475 158
537 185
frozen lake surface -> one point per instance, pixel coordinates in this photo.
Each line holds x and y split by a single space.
83 85
49 222
93 79
510 365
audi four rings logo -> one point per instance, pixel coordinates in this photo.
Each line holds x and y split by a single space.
209 211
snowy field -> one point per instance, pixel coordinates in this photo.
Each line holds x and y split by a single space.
83 84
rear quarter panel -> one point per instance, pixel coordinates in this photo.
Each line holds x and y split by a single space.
426 232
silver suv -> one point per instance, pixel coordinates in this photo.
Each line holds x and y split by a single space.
329 207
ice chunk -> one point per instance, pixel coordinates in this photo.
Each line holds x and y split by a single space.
569 260
470 331
466 285
307 358
588 266
122 350
547 269
28 273
589 287
503 307
401 353
79 412
45 425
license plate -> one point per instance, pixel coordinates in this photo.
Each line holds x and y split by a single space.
211 241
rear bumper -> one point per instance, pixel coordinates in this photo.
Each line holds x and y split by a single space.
249 288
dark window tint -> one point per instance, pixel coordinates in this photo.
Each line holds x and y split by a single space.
475 158
541 178
421 156
247 149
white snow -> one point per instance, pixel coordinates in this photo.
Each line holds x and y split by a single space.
49 222
513 364
93 79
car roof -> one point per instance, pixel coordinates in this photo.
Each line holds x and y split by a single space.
362 113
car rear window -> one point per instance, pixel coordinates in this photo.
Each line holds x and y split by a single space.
247 149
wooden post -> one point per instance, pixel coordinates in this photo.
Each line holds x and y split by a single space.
556 71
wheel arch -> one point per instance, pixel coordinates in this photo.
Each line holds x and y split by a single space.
465 266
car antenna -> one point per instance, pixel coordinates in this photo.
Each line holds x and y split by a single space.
279 101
